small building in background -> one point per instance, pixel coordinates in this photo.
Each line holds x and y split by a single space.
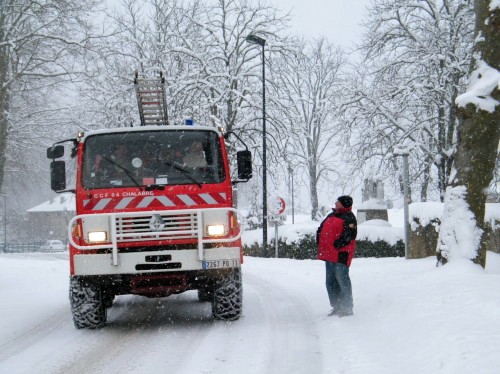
50 219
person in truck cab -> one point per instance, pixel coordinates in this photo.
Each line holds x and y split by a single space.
106 165
119 161
195 156
117 167
168 158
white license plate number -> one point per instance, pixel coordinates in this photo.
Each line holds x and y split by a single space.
220 264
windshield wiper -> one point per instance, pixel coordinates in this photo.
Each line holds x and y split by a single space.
187 173
128 172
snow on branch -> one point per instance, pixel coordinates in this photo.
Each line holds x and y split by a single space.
484 80
494 4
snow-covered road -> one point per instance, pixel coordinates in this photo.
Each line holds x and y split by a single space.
409 317
277 333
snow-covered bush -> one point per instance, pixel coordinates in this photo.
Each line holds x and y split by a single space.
305 249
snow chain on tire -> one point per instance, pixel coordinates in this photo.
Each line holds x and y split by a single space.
227 299
87 306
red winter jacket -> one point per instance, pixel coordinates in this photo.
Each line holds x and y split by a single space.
335 237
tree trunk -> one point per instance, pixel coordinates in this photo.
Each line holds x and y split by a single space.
478 135
4 109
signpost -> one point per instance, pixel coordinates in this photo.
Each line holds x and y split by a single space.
277 210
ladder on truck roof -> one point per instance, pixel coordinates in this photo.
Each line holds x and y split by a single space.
151 100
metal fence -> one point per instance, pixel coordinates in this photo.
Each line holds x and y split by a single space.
21 247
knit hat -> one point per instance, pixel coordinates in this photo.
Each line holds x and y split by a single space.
346 201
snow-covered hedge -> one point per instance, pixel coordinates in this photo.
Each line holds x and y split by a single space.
306 249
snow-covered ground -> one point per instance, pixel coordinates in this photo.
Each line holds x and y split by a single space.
410 317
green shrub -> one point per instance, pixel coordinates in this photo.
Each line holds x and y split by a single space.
364 248
306 249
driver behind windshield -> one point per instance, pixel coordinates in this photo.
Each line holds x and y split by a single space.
120 157
121 167
168 158
195 156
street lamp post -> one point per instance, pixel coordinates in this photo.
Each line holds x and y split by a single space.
4 221
406 183
254 39
404 152
290 171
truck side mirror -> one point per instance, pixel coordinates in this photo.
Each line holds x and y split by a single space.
58 175
244 159
55 151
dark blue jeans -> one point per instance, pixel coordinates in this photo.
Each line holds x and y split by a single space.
338 286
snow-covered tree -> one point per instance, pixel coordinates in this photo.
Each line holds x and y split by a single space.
307 83
143 35
462 233
39 41
213 74
223 78
416 57
200 47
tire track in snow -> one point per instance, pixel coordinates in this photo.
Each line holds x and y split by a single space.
33 335
290 331
142 331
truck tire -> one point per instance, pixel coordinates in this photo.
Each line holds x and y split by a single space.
87 306
227 302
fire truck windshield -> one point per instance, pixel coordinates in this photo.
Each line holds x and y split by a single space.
146 158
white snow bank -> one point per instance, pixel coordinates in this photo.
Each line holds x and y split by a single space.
425 212
409 317
376 222
373 231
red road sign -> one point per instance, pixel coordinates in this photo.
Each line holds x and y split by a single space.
278 206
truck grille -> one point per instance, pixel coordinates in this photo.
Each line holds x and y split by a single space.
156 227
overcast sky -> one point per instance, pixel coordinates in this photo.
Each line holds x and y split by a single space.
337 20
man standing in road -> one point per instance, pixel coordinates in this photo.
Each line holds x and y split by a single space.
336 245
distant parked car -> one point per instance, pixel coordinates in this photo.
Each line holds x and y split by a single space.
52 246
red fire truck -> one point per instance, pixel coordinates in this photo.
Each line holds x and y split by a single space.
155 213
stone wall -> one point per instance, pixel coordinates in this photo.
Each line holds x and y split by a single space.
423 239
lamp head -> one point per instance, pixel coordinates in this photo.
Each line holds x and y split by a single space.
254 39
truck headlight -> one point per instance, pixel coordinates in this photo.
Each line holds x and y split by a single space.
98 236
216 230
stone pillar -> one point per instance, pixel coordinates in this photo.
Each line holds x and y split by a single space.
373 205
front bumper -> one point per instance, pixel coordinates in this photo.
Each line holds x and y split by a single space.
156 261
168 225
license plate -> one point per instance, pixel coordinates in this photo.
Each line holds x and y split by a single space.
220 264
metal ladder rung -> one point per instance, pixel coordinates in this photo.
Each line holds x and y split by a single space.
150 96
152 92
147 80
152 113
149 108
154 117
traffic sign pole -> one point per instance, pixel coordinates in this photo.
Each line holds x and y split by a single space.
278 214
276 240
